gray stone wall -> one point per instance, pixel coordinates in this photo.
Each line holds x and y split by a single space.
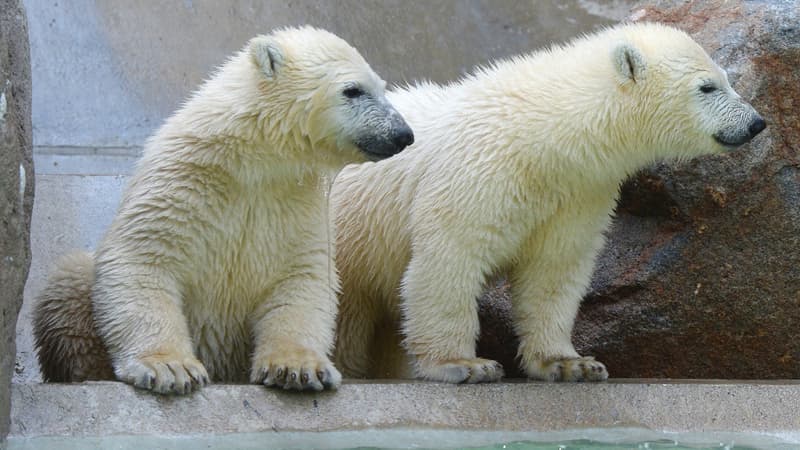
16 185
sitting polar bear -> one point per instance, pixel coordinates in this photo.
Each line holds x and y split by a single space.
516 169
218 263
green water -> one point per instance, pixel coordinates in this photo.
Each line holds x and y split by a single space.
591 445
591 439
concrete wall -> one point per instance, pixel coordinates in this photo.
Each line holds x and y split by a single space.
107 73
16 185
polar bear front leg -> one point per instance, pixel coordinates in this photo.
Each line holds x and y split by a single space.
440 309
139 317
294 332
547 286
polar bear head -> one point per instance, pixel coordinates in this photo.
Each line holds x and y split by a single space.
682 98
321 90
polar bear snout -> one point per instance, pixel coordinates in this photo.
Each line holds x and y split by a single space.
400 137
734 138
403 137
387 140
756 126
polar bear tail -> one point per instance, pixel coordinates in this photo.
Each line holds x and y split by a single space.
67 344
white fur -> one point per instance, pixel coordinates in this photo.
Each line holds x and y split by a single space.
220 249
516 169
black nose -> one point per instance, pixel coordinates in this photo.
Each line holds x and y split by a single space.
403 138
757 126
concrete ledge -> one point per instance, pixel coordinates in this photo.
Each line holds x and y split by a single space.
108 408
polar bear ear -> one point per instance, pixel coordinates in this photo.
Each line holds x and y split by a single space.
267 55
629 63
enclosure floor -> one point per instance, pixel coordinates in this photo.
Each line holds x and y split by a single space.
109 408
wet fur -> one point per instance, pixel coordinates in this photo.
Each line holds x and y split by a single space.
517 170
218 264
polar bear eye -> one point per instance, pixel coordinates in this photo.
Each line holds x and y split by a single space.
353 92
707 88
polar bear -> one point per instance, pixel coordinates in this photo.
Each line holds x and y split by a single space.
516 170
218 264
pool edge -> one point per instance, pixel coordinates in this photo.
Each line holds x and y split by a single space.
110 408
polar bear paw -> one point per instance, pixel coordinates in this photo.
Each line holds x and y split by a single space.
569 369
472 370
164 373
296 369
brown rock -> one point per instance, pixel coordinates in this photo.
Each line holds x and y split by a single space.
701 274
16 185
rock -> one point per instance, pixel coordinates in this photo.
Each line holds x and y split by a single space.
16 185
701 274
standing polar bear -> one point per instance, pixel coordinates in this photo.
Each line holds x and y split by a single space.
218 263
516 169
